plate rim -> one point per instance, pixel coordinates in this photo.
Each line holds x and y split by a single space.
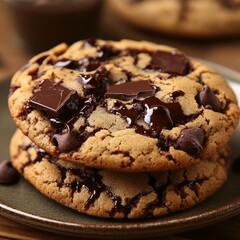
153 228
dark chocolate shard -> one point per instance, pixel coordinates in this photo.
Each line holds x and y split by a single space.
66 142
170 62
8 175
191 141
209 100
130 90
54 99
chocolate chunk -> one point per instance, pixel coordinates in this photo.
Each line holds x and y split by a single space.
106 52
90 42
95 83
177 94
8 175
158 117
67 63
88 64
209 100
83 65
55 100
191 140
66 142
170 62
130 90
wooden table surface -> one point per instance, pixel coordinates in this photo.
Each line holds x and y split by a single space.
224 51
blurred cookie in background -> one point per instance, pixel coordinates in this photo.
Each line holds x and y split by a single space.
186 18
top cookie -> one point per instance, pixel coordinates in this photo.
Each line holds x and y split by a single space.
124 106
188 18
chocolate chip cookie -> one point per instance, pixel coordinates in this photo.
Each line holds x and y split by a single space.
187 18
123 106
107 194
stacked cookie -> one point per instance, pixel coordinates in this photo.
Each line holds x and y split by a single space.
121 129
186 18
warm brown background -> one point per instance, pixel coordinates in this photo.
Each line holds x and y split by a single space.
224 51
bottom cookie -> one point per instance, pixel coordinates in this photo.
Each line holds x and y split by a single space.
109 194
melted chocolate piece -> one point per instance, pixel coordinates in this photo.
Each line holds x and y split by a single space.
55 100
191 141
177 94
155 113
95 83
83 65
172 111
90 42
209 100
107 52
130 90
87 64
8 175
67 63
170 62
66 142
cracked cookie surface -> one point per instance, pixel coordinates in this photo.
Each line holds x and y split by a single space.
187 18
109 194
124 106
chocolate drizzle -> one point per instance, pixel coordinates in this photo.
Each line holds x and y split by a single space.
92 180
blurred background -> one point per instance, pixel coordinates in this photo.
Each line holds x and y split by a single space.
31 26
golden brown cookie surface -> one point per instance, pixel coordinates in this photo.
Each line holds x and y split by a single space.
124 106
109 194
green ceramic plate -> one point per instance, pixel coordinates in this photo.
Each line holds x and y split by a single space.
22 203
